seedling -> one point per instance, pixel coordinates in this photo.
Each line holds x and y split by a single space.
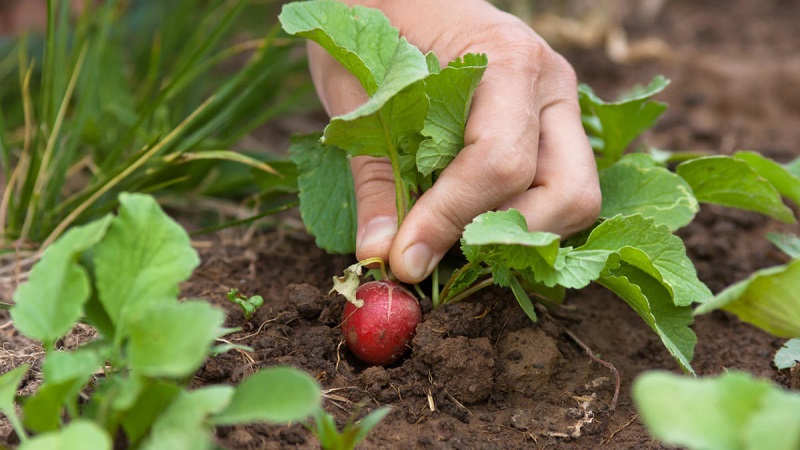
330 438
249 305
121 275
416 116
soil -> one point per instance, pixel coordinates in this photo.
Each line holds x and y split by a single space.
479 374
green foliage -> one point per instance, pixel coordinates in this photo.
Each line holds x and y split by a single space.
612 126
635 184
138 97
787 243
788 356
330 438
122 273
733 411
249 305
415 116
640 261
326 191
733 182
768 299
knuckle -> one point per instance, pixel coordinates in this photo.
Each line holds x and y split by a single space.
584 205
508 168
373 178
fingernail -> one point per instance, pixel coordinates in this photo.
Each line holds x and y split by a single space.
378 230
417 258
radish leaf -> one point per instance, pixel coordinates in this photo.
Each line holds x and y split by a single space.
79 433
52 300
664 251
142 259
327 196
394 113
788 356
450 92
768 299
631 186
732 182
158 348
787 243
648 297
275 394
786 183
184 423
731 411
359 38
612 126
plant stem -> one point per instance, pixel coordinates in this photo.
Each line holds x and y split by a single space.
435 286
457 274
471 290
401 202
381 264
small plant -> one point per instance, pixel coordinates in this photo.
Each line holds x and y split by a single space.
121 274
732 411
330 438
415 117
249 305
736 410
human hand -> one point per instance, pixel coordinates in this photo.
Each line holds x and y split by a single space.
525 147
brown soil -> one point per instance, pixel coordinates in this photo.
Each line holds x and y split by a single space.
479 374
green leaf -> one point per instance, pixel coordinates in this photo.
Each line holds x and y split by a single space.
361 39
734 183
784 181
523 299
787 243
226 155
573 269
665 252
365 425
629 187
392 115
65 376
450 92
614 125
9 383
504 235
650 299
461 280
78 434
52 300
768 298
150 402
183 424
788 356
275 395
142 259
327 195
733 411
793 167
172 339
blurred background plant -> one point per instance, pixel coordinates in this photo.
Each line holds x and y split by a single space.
142 96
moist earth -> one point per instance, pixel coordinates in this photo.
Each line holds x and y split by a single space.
479 374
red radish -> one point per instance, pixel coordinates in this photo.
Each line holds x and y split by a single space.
379 332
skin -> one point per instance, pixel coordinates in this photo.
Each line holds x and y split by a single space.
525 147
